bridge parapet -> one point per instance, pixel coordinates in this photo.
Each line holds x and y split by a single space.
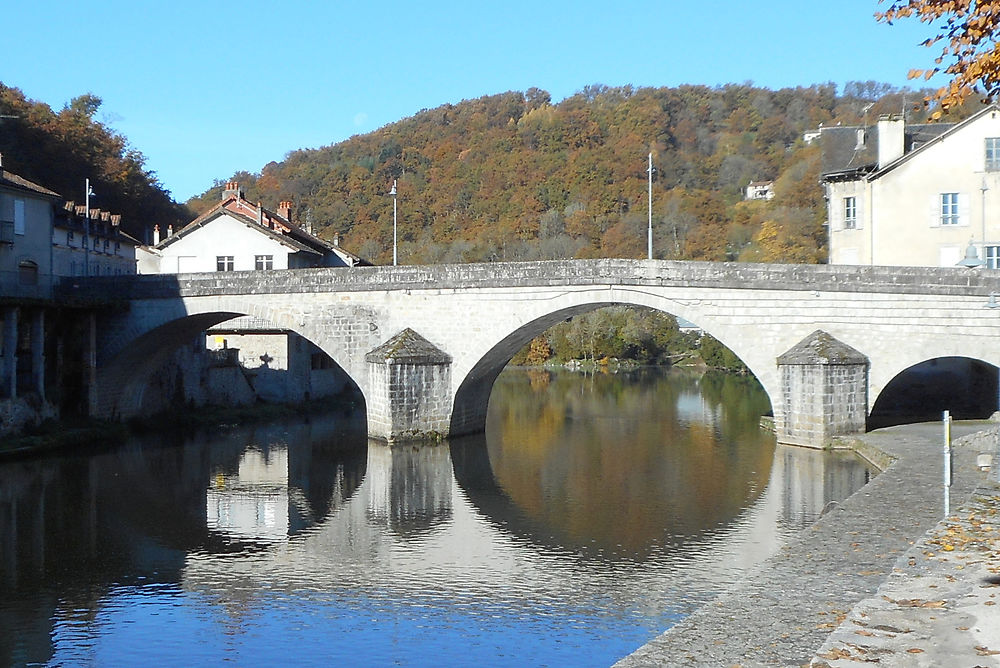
734 275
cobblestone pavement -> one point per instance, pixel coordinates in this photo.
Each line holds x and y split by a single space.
784 611
941 604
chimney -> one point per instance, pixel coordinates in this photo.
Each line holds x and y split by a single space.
232 190
285 210
170 231
260 213
890 139
156 234
336 240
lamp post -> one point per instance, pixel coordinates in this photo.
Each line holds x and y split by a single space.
393 193
649 231
87 194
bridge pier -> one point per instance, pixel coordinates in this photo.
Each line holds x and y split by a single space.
824 388
409 389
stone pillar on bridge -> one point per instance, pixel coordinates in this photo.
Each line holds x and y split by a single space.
824 387
8 360
38 352
409 381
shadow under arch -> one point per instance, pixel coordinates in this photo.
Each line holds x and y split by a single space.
965 386
123 380
473 394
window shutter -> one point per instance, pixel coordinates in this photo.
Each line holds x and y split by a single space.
19 216
859 213
964 215
935 210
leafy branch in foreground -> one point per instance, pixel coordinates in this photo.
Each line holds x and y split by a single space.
970 53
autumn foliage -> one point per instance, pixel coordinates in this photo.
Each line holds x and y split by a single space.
515 176
970 54
60 149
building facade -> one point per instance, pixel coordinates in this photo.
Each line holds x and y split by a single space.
916 195
237 235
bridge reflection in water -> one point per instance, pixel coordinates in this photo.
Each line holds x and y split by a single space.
301 541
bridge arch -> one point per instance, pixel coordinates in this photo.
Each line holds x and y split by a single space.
473 392
150 334
965 386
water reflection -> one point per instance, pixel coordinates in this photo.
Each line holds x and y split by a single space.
595 513
409 486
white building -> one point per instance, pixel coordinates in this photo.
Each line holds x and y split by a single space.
917 195
97 248
759 190
236 235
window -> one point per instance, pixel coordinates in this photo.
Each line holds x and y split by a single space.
263 262
992 154
949 208
27 273
223 262
992 257
19 216
850 213
97 242
69 238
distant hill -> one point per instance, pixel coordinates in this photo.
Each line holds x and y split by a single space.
59 150
513 176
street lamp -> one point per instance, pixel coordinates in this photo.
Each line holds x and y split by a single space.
393 193
971 259
88 193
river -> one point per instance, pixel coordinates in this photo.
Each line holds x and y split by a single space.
595 512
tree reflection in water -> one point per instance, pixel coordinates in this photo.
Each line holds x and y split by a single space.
594 513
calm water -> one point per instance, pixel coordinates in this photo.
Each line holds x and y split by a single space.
595 513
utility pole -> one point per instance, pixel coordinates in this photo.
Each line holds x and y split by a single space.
649 233
88 193
393 193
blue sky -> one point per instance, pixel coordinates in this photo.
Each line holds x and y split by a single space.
206 88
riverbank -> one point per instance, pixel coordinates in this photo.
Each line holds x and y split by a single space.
785 610
54 435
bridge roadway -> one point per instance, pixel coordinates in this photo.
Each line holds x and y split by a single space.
466 321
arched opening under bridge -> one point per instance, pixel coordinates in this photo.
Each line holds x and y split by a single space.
594 329
965 386
221 358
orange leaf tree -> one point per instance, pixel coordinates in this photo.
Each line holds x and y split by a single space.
970 54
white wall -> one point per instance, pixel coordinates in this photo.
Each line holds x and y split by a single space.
899 212
224 235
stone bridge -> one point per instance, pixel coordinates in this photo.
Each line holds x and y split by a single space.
425 343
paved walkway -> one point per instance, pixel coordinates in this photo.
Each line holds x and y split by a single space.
799 603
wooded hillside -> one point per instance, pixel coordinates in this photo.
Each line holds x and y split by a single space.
60 149
515 177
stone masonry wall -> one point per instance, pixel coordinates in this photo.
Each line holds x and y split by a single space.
896 316
409 401
822 401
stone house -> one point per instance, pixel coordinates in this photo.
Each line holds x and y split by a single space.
46 356
26 218
920 195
